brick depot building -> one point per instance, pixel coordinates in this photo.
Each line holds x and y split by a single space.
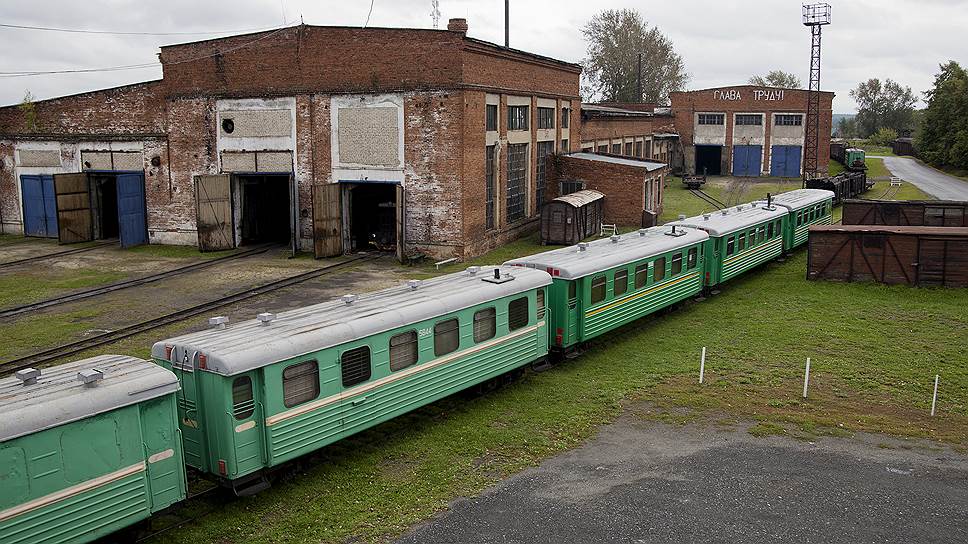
328 138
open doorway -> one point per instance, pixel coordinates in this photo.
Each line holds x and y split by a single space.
104 205
373 217
709 160
264 208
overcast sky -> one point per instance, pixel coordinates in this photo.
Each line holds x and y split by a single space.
723 42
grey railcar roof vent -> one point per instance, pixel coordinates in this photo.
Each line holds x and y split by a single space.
739 208
28 375
348 299
473 270
218 322
582 246
706 216
682 217
413 284
265 318
615 238
725 211
498 277
643 232
89 377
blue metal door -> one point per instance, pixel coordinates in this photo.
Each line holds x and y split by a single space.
40 206
747 160
132 222
785 161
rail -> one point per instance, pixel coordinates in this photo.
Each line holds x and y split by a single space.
71 251
708 198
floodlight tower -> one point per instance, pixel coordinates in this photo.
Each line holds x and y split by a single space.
815 16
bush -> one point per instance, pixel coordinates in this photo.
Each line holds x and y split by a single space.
883 137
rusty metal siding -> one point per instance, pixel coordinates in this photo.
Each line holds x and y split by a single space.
935 213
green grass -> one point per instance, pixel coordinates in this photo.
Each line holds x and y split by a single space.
871 149
678 200
834 168
908 191
21 288
527 245
876 168
25 334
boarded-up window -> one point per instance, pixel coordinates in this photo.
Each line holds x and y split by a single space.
598 289
369 136
300 383
242 403
517 181
621 282
403 350
641 275
355 365
485 324
446 337
518 313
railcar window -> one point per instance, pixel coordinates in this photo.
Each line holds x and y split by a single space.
799 218
242 404
355 365
446 337
742 241
300 383
761 234
659 271
730 246
621 282
692 260
572 294
769 231
641 275
485 324
598 289
403 350
518 313
539 300
676 264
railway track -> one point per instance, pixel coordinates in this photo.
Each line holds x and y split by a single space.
71 251
66 350
71 297
708 198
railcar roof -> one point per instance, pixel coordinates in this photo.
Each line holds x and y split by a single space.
735 218
603 254
800 198
59 397
250 344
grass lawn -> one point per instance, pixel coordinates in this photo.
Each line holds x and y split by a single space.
876 168
834 168
871 149
678 200
22 288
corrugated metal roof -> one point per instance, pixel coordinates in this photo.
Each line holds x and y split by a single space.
250 344
799 198
603 253
638 163
580 198
735 218
59 397
956 232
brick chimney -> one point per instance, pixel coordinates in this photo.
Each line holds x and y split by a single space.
457 25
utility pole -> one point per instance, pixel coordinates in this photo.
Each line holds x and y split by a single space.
507 23
815 16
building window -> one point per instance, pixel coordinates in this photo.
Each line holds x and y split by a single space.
446 337
786 120
300 383
564 145
749 119
568 187
518 315
544 149
517 181
490 117
628 149
403 350
565 117
489 171
517 117
617 149
546 118
659 271
242 403
603 148
620 284
711 118
648 149
638 149
598 289
485 324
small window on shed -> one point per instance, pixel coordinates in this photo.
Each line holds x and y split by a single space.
730 246
621 282
403 350
485 324
693 259
676 263
539 299
741 241
518 313
598 289
355 365
641 275
242 403
300 383
658 273
446 337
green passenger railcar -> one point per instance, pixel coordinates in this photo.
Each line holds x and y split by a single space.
604 284
804 207
87 448
266 391
740 238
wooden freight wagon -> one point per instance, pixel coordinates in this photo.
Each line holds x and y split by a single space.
929 213
571 218
920 256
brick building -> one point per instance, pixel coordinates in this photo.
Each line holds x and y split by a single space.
331 138
623 129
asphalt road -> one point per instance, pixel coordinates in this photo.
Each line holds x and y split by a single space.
929 180
650 482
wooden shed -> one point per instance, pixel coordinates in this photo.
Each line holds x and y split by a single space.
929 213
571 218
922 256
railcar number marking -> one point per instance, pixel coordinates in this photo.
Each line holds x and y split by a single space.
423 333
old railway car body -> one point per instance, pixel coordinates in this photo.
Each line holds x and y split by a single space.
571 218
604 284
805 207
740 238
88 448
262 392
928 213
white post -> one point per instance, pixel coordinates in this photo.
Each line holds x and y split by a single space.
702 364
806 378
934 399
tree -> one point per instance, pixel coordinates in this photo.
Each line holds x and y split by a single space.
942 137
883 137
883 105
847 127
777 78
615 39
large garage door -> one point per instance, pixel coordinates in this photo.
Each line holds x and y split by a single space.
709 159
74 220
40 206
747 160
785 161
213 205
132 222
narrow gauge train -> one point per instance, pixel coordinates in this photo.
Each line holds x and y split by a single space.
98 444
851 157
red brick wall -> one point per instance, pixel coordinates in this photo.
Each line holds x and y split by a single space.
622 185
605 128
513 73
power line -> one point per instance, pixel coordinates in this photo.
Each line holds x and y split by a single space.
368 15
122 33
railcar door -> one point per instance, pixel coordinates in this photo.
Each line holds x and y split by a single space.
573 313
190 409
245 413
